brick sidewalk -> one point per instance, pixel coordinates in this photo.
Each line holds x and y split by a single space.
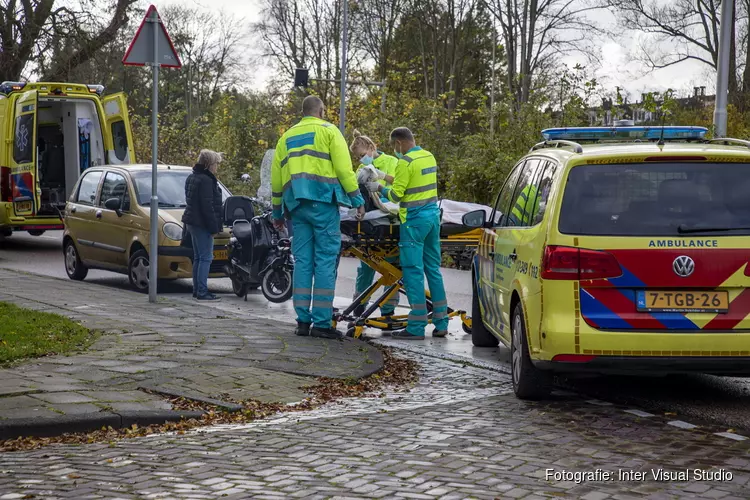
171 347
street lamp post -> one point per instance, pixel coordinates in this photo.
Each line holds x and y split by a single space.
722 72
344 33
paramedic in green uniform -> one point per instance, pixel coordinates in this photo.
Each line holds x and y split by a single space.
415 190
384 166
311 176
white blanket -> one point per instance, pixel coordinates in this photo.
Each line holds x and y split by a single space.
453 211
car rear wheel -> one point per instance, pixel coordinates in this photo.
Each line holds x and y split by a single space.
480 335
75 269
528 381
138 269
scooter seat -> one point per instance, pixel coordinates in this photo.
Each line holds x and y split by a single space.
242 230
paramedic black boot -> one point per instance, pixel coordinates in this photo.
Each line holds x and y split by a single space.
302 330
327 333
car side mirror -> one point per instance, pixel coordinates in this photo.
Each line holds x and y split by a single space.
475 219
114 204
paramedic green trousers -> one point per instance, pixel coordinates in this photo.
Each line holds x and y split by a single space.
315 247
365 277
419 248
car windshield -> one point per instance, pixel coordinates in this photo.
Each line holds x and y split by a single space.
170 186
657 199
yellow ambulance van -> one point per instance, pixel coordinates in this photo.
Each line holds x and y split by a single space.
50 133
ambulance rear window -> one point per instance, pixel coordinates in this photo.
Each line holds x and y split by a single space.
657 199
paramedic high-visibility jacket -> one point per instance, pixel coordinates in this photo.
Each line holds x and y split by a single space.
415 190
415 185
312 162
523 211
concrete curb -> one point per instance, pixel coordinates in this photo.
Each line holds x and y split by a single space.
66 424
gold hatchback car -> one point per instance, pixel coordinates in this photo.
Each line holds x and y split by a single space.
107 224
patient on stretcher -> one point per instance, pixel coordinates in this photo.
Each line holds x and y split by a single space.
381 215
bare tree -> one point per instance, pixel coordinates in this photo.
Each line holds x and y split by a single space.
31 29
535 32
305 34
681 30
375 22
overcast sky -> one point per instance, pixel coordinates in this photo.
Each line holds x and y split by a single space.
617 65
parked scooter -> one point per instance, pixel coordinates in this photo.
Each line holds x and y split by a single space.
259 255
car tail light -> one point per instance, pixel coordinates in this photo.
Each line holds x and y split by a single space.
566 263
6 194
573 358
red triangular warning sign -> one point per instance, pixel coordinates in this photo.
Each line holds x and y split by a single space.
141 50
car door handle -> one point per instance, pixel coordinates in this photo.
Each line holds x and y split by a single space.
73 210
98 214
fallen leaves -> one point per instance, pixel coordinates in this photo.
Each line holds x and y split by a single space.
396 373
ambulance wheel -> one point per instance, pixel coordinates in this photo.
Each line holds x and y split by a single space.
480 335
277 285
528 381
138 269
466 329
75 269
6 233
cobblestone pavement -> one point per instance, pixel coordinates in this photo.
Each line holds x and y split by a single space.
459 434
172 347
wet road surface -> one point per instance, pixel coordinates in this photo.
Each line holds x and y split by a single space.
460 433
722 402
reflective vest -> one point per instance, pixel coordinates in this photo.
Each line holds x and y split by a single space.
387 164
312 162
522 212
415 184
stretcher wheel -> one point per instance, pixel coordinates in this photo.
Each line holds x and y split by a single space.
466 328
350 332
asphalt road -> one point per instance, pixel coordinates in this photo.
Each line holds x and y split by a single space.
720 401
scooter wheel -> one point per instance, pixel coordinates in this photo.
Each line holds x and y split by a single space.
277 285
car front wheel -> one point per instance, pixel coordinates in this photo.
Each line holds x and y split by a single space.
528 381
138 269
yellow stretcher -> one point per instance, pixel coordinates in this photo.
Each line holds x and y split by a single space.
376 243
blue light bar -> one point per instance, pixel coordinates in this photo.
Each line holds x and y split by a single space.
623 133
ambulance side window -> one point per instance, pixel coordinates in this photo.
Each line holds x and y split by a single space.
520 207
544 186
503 199
120 138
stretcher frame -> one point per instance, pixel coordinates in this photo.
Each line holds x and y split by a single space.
375 252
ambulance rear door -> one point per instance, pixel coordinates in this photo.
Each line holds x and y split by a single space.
23 160
118 134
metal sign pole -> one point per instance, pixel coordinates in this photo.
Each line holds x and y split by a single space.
145 52
342 112
154 237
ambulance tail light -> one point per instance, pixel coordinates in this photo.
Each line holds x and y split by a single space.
566 263
6 194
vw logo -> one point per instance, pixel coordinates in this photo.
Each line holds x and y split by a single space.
683 266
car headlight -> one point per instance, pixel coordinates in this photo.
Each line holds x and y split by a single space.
172 231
